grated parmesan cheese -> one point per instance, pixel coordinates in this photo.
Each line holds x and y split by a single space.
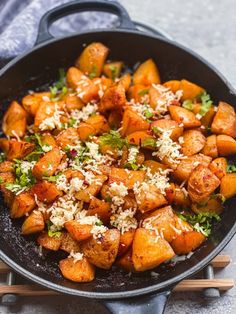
76 256
52 122
124 220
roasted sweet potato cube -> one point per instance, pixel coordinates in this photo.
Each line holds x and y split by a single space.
48 140
87 194
186 166
85 130
78 231
6 177
127 177
102 252
184 116
113 69
47 165
207 119
181 197
45 191
173 85
14 120
125 261
149 250
6 166
114 98
187 242
16 149
33 224
67 137
193 142
226 145
190 90
154 166
137 92
100 208
201 183
73 102
126 240
147 73
141 138
77 270
210 147
133 122
22 204
168 125
45 110
228 185
31 102
99 123
150 199
163 220
72 173
224 121
92 59
49 243
85 88
125 80
213 205
68 244
219 167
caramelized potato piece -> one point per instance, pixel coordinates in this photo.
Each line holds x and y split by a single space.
207 119
6 166
224 120
226 145
16 149
45 110
126 240
100 208
149 251
46 192
33 224
194 142
211 206
6 177
125 261
47 165
31 102
154 166
14 120
147 73
202 182
210 148
137 92
114 98
186 166
87 194
92 59
85 130
77 270
99 123
85 88
140 138
149 200
73 102
228 185
22 204
78 231
66 137
187 242
219 167
68 244
49 243
190 90
184 116
125 80
133 122
128 177
113 69
169 125
173 85
48 139
102 252
114 119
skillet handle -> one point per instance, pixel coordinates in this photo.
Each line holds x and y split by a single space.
147 304
81 6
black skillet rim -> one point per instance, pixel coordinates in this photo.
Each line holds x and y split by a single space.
166 285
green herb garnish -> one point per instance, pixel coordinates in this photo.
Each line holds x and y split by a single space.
143 92
2 157
188 104
231 168
52 178
149 142
93 73
113 139
52 234
148 114
206 103
98 223
59 89
201 222
114 71
1 180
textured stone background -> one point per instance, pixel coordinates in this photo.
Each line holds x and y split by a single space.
208 27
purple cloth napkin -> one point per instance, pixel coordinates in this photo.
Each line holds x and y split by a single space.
19 21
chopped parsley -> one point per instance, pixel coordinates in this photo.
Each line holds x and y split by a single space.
52 178
113 139
114 71
201 222
1 180
93 73
188 104
52 234
143 92
149 142
2 157
231 168
132 166
59 89
206 103
148 114
39 147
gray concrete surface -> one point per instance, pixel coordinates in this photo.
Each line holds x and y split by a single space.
208 27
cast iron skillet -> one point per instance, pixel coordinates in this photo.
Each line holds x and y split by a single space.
121 292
